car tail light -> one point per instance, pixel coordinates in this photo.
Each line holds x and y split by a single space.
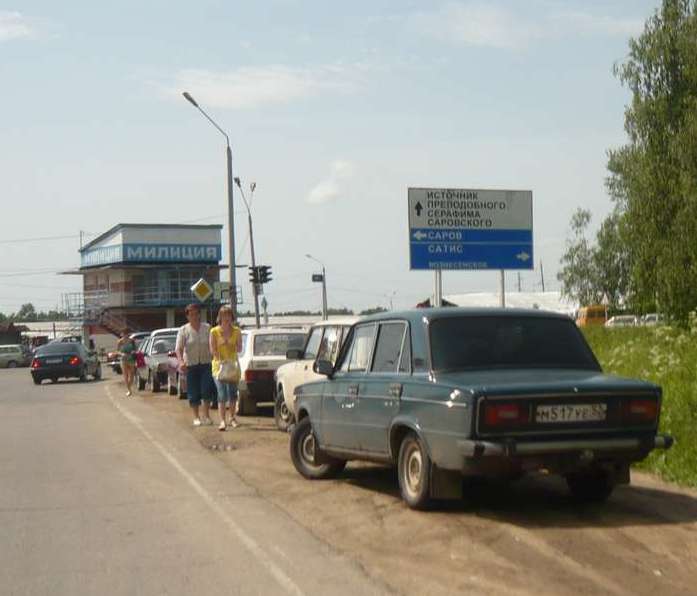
74 361
251 375
35 363
641 410
505 414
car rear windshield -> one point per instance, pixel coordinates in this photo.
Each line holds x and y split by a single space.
58 348
277 344
163 344
462 343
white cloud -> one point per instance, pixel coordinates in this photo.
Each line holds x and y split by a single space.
487 25
330 188
251 87
13 25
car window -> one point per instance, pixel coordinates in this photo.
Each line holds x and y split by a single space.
245 337
388 347
58 348
405 361
358 355
277 344
329 348
313 343
461 343
163 344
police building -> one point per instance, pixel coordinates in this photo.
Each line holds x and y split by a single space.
139 276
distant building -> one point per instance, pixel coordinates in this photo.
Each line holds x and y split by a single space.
139 276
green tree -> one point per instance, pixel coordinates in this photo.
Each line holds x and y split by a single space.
27 312
653 178
611 261
578 275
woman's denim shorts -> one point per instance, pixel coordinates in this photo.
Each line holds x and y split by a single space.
227 392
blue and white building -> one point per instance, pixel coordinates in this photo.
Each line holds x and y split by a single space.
139 276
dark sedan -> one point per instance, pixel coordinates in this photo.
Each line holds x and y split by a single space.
60 360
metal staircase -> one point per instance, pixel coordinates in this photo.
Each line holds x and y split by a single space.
90 308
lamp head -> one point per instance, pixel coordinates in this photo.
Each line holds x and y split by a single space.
190 99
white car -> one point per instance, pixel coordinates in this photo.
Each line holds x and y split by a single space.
622 321
263 351
324 340
156 350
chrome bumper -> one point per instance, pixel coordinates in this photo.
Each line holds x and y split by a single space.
473 448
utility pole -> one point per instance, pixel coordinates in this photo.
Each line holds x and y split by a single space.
519 290
503 288
542 275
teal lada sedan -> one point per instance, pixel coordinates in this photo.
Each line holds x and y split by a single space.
498 393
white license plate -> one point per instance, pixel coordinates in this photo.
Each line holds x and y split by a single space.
54 360
571 413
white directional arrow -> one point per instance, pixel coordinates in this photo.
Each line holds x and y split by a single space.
523 256
420 235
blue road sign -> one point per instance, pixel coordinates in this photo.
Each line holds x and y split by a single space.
470 229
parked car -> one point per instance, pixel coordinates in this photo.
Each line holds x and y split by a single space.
263 351
442 393
622 321
12 356
323 341
156 350
652 319
65 360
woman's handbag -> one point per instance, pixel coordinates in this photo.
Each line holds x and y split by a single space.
229 371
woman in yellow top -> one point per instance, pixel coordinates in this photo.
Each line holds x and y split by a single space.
225 343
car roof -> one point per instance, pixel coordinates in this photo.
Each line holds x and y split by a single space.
165 331
431 314
272 330
337 321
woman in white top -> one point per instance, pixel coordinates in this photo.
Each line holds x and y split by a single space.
194 358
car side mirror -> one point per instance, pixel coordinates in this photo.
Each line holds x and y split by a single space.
294 354
324 367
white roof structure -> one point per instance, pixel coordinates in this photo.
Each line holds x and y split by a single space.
551 301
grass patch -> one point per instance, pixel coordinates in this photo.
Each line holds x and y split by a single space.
668 357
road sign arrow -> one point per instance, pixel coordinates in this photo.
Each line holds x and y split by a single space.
420 235
523 256
418 208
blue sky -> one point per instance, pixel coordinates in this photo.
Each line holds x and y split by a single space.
334 110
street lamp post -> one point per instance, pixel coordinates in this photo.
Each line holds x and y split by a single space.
231 217
255 289
324 287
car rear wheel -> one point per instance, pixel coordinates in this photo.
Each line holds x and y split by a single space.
591 486
11 364
54 379
141 382
36 381
156 385
414 472
83 375
302 452
283 416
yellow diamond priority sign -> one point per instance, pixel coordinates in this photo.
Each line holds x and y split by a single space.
202 290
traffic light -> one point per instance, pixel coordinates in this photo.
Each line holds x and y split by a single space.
254 275
264 274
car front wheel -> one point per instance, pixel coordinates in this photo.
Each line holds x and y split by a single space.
592 486
302 452
414 472
283 416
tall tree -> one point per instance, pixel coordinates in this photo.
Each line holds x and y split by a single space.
653 178
27 312
578 274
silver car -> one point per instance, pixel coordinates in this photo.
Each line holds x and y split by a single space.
12 356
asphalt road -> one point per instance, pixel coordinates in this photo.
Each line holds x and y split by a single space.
100 494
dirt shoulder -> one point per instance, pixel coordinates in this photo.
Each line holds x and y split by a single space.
526 538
